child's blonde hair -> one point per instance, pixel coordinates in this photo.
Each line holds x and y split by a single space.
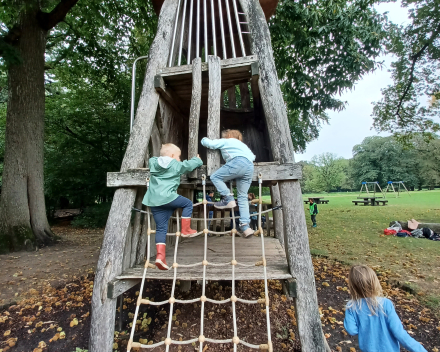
232 134
168 148
363 283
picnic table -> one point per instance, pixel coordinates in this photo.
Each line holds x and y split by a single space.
370 201
317 200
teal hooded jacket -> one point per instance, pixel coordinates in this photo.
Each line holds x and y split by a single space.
165 175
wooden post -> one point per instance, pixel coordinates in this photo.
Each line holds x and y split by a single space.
244 95
137 225
214 97
295 229
194 114
110 258
277 215
232 100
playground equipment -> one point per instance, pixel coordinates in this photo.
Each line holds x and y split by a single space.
390 187
203 51
370 188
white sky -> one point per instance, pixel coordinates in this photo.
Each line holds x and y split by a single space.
350 126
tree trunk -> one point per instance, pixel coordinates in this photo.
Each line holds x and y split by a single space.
22 207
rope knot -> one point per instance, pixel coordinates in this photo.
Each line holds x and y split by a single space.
234 298
203 299
236 340
201 338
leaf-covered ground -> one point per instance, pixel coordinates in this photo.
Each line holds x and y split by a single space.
56 315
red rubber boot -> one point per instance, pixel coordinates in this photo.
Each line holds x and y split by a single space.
160 257
187 231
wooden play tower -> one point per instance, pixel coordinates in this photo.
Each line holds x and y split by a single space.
204 53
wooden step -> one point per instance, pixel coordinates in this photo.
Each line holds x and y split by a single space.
247 251
271 171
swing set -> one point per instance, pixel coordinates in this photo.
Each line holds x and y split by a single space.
371 188
391 188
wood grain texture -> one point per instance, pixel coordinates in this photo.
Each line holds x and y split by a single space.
137 224
214 97
270 92
295 229
168 94
270 172
112 249
296 243
248 251
194 114
278 222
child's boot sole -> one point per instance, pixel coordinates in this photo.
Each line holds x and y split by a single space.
161 266
230 205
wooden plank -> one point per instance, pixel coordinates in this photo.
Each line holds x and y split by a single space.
270 172
117 287
112 249
248 251
169 95
194 114
229 66
214 100
137 224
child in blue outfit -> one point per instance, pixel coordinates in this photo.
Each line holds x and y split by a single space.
372 317
162 197
239 167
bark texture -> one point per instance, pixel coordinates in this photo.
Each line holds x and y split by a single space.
22 207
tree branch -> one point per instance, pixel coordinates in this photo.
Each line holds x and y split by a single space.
49 20
414 59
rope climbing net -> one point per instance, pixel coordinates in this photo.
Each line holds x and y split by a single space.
233 299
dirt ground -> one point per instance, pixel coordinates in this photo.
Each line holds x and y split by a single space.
54 311
74 255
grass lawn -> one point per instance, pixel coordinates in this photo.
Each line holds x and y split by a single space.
354 234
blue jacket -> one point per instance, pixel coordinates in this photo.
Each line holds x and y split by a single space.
381 332
229 147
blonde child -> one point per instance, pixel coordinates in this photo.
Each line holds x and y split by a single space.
239 167
162 197
373 317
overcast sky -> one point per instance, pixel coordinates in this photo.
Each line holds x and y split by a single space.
350 126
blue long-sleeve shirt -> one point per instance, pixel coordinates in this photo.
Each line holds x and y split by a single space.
229 147
381 332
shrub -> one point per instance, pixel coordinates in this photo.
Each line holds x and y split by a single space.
93 216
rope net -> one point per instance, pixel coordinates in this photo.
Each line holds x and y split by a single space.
233 299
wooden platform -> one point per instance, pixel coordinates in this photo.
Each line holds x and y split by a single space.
248 251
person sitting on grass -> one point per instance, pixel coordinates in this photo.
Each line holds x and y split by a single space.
313 207
373 317
239 167
162 197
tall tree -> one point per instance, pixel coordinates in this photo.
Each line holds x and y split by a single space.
384 159
321 49
22 206
327 174
410 103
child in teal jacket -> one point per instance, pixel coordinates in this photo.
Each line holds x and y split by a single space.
162 197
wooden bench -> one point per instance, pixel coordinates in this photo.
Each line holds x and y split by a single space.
324 201
364 202
384 202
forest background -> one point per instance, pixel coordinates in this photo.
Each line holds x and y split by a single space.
321 49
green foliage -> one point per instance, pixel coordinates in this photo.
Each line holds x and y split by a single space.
325 173
403 108
383 159
93 217
322 48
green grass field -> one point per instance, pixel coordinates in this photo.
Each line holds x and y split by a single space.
354 234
